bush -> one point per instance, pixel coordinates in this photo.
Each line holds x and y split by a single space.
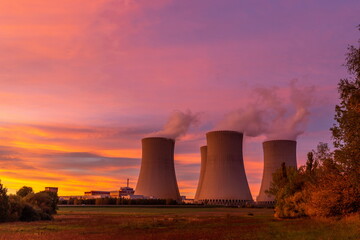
30 213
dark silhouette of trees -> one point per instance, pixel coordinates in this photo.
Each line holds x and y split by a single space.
22 192
27 205
4 204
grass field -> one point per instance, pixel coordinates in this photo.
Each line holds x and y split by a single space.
177 223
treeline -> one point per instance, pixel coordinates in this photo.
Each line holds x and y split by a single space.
26 205
329 184
117 201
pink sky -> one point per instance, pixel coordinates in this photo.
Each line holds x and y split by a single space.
83 81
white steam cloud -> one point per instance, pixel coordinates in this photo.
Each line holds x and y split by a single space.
269 114
177 125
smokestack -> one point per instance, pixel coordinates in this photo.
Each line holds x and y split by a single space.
127 183
203 151
157 174
275 153
224 181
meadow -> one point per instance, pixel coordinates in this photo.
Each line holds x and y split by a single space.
107 223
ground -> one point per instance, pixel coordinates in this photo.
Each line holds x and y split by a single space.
107 223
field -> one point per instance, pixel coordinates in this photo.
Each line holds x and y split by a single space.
107 223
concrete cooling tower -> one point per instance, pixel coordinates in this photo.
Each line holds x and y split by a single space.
224 181
275 153
157 173
203 151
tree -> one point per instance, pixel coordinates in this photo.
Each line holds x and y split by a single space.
27 205
336 190
22 192
287 183
329 183
4 204
294 188
346 131
45 200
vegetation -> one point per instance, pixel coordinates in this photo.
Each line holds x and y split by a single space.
27 205
117 201
4 204
124 223
329 184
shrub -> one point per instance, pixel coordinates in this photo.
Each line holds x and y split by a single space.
30 213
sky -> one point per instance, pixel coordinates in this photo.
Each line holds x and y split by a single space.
81 82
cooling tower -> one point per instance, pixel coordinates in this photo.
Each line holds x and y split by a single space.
203 151
224 180
275 153
157 174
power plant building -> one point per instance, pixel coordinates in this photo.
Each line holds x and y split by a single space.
157 177
52 189
203 151
275 153
124 191
223 180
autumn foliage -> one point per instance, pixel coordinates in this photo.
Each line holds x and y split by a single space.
329 184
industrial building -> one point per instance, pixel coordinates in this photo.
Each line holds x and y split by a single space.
97 193
224 180
203 152
275 153
52 189
124 191
157 177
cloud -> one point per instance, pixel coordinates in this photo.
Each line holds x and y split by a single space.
270 115
82 161
178 124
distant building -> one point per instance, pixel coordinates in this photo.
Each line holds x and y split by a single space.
52 189
137 197
62 198
124 191
188 201
115 194
97 193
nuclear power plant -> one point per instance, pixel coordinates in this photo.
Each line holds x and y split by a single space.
222 178
275 153
157 173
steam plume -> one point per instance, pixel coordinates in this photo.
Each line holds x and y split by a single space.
178 124
269 115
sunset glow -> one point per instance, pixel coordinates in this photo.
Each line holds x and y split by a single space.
82 82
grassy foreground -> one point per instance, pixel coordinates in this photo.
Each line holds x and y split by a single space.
177 223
